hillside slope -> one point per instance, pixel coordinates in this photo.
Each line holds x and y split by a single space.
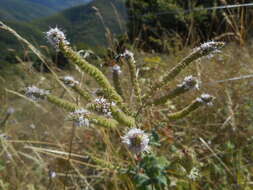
82 24
22 10
59 4
26 10
83 27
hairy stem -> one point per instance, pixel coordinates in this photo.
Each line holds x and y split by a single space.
179 90
134 80
66 105
117 114
95 119
82 93
94 72
203 50
190 108
116 81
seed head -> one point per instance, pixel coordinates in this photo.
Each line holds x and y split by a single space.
136 140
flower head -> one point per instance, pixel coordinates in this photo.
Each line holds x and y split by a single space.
209 48
206 99
55 36
116 68
80 117
189 82
35 93
136 140
70 81
129 55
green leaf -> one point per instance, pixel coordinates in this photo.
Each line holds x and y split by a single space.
162 180
141 180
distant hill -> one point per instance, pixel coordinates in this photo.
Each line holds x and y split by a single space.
22 10
59 4
8 42
26 10
82 24
83 27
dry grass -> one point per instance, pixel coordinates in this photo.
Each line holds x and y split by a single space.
216 139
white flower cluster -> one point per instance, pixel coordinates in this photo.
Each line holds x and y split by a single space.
136 140
70 81
206 99
129 55
79 117
116 68
53 174
4 136
35 93
10 110
55 36
86 53
103 106
194 174
32 126
189 82
212 47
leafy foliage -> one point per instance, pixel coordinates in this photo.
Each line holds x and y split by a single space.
156 23
150 173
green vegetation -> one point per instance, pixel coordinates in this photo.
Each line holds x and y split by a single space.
159 24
